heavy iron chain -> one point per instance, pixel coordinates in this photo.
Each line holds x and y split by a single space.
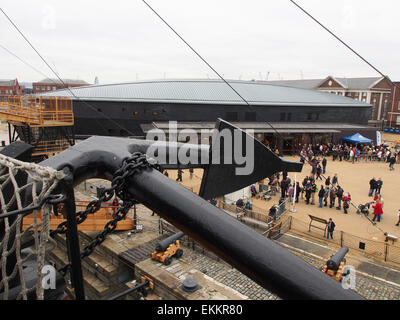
130 166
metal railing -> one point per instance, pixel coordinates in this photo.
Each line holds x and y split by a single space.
38 111
50 146
378 249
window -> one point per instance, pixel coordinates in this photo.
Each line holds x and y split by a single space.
250 116
398 106
373 106
309 116
317 116
384 108
54 88
289 117
283 116
231 116
364 97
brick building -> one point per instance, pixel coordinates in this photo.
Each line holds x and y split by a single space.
9 88
46 85
377 91
394 113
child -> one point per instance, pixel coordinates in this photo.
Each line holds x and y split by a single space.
346 202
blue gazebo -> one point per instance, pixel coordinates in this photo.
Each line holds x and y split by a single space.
357 138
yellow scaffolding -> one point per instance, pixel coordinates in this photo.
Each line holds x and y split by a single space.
32 113
38 111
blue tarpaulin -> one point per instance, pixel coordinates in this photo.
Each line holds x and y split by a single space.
357 138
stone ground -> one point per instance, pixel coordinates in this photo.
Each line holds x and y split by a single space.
224 273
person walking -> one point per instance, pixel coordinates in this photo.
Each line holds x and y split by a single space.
298 191
346 202
191 171
321 196
284 187
291 192
369 154
314 190
304 187
379 184
398 217
328 181
248 205
392 161
179 178
326 195
307 189
372 187
324 162
339 194
377 210
319 171
331 227
335 180
332 196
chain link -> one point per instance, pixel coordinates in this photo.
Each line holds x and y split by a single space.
130 165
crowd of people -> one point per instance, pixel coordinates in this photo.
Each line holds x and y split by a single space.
351 152
329 192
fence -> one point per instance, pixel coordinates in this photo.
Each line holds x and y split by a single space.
282 208
256 215
378 249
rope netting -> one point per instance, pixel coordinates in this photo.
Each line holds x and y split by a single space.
14 197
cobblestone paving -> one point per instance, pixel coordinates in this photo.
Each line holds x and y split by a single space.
227 275
365 286
224 273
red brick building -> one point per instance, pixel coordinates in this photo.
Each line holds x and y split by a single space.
46 85
394 113
9 88
377 91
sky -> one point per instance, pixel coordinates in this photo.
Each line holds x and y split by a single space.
122 41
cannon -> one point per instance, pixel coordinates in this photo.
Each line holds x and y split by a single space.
334 266
167 248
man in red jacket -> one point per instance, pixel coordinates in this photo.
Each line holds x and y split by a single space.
377 210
